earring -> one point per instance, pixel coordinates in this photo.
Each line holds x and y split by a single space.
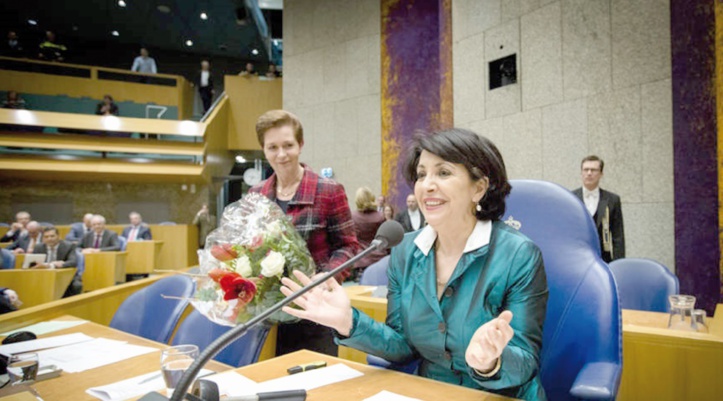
478 207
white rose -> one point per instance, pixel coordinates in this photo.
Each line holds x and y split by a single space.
273 264
243 266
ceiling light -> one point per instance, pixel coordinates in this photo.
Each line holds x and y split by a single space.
255 52
240 159
115 33
204 16
164 9
32 22
189 43
121 3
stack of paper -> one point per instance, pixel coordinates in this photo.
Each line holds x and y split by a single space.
43 343
47 327
389 396
133 387
91 354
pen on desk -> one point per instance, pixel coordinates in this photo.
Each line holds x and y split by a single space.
290 395
150 378
307 366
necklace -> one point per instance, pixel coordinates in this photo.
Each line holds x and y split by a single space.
293 186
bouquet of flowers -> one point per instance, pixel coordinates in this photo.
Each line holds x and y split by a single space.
244 260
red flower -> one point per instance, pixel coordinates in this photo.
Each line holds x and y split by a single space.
217 274
224 252
235 286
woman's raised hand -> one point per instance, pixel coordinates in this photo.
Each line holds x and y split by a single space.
488 342
326 304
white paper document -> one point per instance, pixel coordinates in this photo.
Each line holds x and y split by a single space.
311 379
231 383
133 387
389 396
43 343
47 327
91 354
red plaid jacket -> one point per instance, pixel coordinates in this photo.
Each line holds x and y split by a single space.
320 212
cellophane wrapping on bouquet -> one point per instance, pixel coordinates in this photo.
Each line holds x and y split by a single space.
244 260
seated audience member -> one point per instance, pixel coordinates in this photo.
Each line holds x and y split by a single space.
249 71
137 231
411 219
13 101
26 243
272 72
9 301
99 239
18 228
50 50
144 63
12 47
366 221
107 107
59 254
380 203
388 212
78 230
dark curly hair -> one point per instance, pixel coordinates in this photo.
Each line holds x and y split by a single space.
478 155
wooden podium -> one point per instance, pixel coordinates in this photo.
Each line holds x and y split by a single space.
143 256
37 286
104 269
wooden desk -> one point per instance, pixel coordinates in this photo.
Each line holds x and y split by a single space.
72 386
37 286
19 259
143 256
104 269
373 381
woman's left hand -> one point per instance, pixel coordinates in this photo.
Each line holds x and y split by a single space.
488 341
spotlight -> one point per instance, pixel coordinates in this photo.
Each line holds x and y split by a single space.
255 52
115 33
121 3
189 43
204 16
32 22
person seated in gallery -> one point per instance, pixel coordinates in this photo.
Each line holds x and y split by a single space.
79 229
99 239
26 243
17 229
59 254
137 230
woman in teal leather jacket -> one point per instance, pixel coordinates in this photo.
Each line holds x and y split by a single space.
467 294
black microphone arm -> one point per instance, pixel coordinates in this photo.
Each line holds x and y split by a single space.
390 233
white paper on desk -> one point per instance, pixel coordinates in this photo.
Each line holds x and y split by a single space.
233 384
309 380
47 327
91 354
44 343
389 396
133 387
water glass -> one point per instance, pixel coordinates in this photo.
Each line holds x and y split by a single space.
699 323
174 363
681 312
23 368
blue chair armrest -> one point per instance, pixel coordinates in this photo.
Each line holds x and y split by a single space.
597 381
410 368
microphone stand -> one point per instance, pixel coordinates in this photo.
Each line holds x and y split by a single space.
238 331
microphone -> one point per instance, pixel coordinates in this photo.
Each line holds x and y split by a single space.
389 234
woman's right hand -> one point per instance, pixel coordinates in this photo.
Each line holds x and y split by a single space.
326 304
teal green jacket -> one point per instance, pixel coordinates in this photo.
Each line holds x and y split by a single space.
500 269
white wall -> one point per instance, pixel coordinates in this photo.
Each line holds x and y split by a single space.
594 77
332 74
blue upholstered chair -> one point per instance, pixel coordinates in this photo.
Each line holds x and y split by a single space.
582 341
123 243
376 273
198 330
147 314
8 259
644 284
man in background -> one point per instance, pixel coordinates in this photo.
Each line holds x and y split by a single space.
17 229
59 254
206 222
78 230
50 50
145 64
12 47
99 239
26 243
137 231
205 85
604 207
411 219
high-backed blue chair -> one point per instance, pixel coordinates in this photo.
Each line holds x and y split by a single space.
644 284
147 314
582 341
376 273
8 259
197 329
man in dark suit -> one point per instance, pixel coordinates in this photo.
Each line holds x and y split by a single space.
17 229
204 81
59 254
78 230
604 207
411 219
137 231
100 239
26 243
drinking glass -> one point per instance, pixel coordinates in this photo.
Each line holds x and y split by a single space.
23 368
699 323
681 312
174 362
